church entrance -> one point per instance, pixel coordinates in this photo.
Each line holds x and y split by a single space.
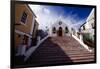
60 31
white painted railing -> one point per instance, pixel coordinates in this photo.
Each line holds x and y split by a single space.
80 41
32 49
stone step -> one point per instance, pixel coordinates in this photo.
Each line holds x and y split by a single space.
70 56
61 50
64 59
84 60
67 52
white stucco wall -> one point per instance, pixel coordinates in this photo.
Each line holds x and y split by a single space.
90 20
56 25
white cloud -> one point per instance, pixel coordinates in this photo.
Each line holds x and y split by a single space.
47 17
78 24
46 10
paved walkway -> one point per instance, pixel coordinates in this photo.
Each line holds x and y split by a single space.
59 50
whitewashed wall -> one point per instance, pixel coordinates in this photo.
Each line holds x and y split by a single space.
56 25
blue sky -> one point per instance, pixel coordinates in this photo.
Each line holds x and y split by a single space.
72 16
81 12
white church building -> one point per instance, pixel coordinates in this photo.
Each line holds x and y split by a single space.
59 28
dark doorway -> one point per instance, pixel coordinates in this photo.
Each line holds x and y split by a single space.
25 40
60 31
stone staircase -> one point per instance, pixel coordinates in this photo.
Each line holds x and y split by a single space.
74 50
60 50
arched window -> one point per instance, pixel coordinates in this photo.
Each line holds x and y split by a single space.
66 30
92 25
54 30
60 22
84 27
